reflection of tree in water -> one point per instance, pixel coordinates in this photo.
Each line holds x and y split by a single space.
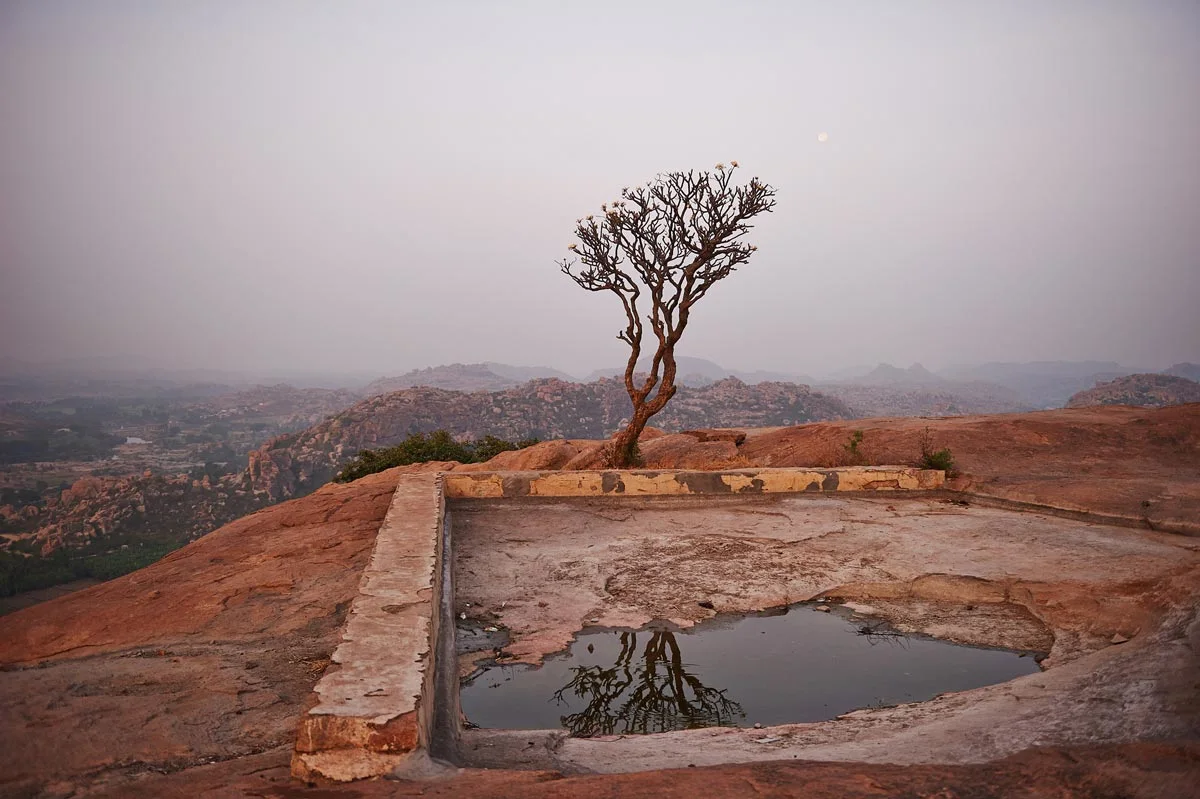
653 694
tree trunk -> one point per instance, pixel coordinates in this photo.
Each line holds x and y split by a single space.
625 454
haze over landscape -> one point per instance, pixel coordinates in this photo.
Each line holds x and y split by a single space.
321 432
293 188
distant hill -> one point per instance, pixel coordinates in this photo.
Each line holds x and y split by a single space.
489 376
701 372
452 377
1041 384
523 374
1189 370
952 399
888 390
1146 390
886 374
286 406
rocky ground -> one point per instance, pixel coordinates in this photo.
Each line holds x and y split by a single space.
187 677
1122 661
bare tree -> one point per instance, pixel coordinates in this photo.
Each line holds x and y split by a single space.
669 241
657 694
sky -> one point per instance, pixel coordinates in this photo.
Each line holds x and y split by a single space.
380 186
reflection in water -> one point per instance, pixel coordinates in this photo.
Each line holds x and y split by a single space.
781 667
653 693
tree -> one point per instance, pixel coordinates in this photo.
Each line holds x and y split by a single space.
670 240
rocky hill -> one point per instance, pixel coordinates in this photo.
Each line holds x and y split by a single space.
452 377
99 515
489 376
1146 390
292 465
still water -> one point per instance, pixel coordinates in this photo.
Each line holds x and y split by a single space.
797 665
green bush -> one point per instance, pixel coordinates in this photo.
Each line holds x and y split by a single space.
420 448
853 453
932 458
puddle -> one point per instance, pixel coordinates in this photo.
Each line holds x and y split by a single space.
788 666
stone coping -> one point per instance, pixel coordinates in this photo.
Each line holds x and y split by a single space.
367 715
673 482
374 709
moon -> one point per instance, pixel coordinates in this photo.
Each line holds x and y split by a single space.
822 137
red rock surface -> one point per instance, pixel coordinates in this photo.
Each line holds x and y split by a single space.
188 677
1139 771
1142 464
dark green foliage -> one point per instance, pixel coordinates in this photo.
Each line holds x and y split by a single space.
489 447
853 453
939 459
632 459
936 458
25 573
420 448
53 444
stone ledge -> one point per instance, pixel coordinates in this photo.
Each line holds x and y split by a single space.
508 485
367 716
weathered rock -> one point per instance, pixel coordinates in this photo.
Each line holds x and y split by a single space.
1147 390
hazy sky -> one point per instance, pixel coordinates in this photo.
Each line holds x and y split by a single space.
381 186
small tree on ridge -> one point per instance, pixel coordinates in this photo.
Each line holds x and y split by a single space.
669 241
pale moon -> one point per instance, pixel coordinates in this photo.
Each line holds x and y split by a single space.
822 137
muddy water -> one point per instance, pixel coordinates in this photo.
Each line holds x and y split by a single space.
797 665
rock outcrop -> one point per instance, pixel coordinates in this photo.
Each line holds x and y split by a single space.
1144 390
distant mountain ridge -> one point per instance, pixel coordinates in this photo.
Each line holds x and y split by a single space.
886 374
487 376
888 390
1189 370
1042 384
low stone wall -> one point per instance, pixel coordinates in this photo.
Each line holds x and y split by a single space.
497 485
376 707
369 713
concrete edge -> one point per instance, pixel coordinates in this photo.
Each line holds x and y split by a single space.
1176 526
370 713
674 482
